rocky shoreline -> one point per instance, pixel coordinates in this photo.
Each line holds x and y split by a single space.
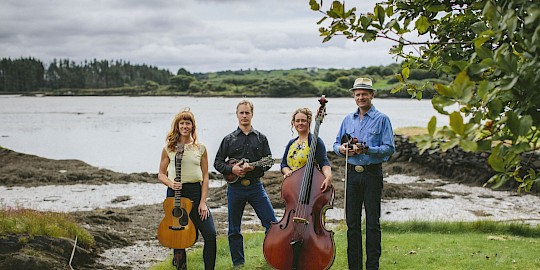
116 228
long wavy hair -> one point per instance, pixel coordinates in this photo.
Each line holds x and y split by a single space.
173 136
305 111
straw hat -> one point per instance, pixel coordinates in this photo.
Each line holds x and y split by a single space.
362 83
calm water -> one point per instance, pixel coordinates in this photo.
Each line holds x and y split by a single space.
127 134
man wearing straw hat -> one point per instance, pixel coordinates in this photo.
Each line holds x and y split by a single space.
367 140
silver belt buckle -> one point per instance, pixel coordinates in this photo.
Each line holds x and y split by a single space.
359 168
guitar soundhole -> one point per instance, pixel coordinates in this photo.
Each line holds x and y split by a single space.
177 212
182 215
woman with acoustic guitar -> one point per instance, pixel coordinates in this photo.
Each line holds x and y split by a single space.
193 185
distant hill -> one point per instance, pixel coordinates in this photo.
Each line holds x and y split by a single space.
103 78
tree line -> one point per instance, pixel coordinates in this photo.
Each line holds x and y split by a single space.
29 74
103 77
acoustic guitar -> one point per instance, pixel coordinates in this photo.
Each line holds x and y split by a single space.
232 178
176 230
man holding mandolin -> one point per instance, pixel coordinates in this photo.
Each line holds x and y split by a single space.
243 158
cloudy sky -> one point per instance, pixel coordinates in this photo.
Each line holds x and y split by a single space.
198 35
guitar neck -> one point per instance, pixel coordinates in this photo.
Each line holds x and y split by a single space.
178 169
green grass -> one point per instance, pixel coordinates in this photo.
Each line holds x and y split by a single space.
29 223
414 245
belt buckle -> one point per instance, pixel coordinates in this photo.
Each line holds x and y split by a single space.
245 182
359 168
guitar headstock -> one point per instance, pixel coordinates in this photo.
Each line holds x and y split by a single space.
321 112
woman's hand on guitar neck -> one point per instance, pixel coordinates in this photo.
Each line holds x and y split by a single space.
176 185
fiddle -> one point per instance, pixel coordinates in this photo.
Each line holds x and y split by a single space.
300 240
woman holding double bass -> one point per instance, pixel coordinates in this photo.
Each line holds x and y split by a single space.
300 240
185 173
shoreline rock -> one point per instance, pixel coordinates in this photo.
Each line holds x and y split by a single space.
116 228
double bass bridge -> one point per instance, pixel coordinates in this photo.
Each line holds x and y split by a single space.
300 220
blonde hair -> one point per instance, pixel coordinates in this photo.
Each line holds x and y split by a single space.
173 136
305 111
245 102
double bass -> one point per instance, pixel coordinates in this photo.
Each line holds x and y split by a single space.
176 230
300 240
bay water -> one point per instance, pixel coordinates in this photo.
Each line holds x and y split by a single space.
127 134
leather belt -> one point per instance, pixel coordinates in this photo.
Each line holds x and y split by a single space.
246 182
362 168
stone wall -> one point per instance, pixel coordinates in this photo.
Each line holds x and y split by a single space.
456 164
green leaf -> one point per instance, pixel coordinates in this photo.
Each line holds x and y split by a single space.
443 90
405 72
479 27
503 178
483 146
462 86
422 25
389 11
314 5
419 95
379 12
495 107
365 21
469 146
449 144
440 102
483 52
517 126
456 123
322 20
432 125
396 89
496 162
338 8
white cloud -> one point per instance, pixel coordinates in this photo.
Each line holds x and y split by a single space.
199 35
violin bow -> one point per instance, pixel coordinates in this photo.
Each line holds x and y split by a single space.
346 138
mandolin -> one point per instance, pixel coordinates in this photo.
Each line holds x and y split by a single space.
176 230
232 178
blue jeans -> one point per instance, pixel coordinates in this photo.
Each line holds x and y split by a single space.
237 196
206 227
364 188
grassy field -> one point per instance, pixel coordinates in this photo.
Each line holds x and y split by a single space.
415 245
36 223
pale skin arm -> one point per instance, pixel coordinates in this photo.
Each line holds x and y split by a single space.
327 171
203 209
162 175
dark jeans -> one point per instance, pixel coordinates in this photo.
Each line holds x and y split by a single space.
364 188
237 196
206 227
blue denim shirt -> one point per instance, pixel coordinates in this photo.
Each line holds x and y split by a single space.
375 129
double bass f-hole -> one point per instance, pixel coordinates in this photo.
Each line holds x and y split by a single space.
300 241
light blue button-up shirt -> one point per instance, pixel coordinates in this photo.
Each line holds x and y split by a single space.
375 129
